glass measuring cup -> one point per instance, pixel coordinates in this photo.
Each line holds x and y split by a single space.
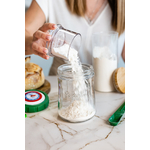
62 40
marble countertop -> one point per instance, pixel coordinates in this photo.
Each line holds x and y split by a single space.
45 130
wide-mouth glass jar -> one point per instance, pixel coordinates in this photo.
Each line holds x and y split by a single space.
74 106
61 41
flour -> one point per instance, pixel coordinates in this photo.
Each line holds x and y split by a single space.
104 62
61 51
78 110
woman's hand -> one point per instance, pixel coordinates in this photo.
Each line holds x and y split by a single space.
38 44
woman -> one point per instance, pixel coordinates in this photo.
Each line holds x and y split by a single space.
82 16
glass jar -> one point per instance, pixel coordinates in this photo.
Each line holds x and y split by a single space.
105 59
61 41
74 106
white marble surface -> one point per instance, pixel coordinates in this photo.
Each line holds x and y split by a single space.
46 131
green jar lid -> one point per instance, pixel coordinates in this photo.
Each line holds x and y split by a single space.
35 101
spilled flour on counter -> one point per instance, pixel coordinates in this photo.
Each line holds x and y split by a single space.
78 110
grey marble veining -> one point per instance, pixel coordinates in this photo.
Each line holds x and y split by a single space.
45 130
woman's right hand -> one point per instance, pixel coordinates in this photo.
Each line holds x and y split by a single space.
38 45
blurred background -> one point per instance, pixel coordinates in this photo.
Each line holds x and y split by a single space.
46 64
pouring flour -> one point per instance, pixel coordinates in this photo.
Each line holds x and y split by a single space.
80 109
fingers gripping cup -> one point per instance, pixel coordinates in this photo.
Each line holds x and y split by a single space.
62 40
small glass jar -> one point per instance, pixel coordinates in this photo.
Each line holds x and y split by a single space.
61 37
71 107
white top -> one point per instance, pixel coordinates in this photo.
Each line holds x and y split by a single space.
56 11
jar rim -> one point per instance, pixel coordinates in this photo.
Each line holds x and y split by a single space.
65 71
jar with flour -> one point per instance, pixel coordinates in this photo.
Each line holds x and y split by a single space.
105 57
76 96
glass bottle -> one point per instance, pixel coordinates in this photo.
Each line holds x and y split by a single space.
105 59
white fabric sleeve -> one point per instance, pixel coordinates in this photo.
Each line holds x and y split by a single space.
44 6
